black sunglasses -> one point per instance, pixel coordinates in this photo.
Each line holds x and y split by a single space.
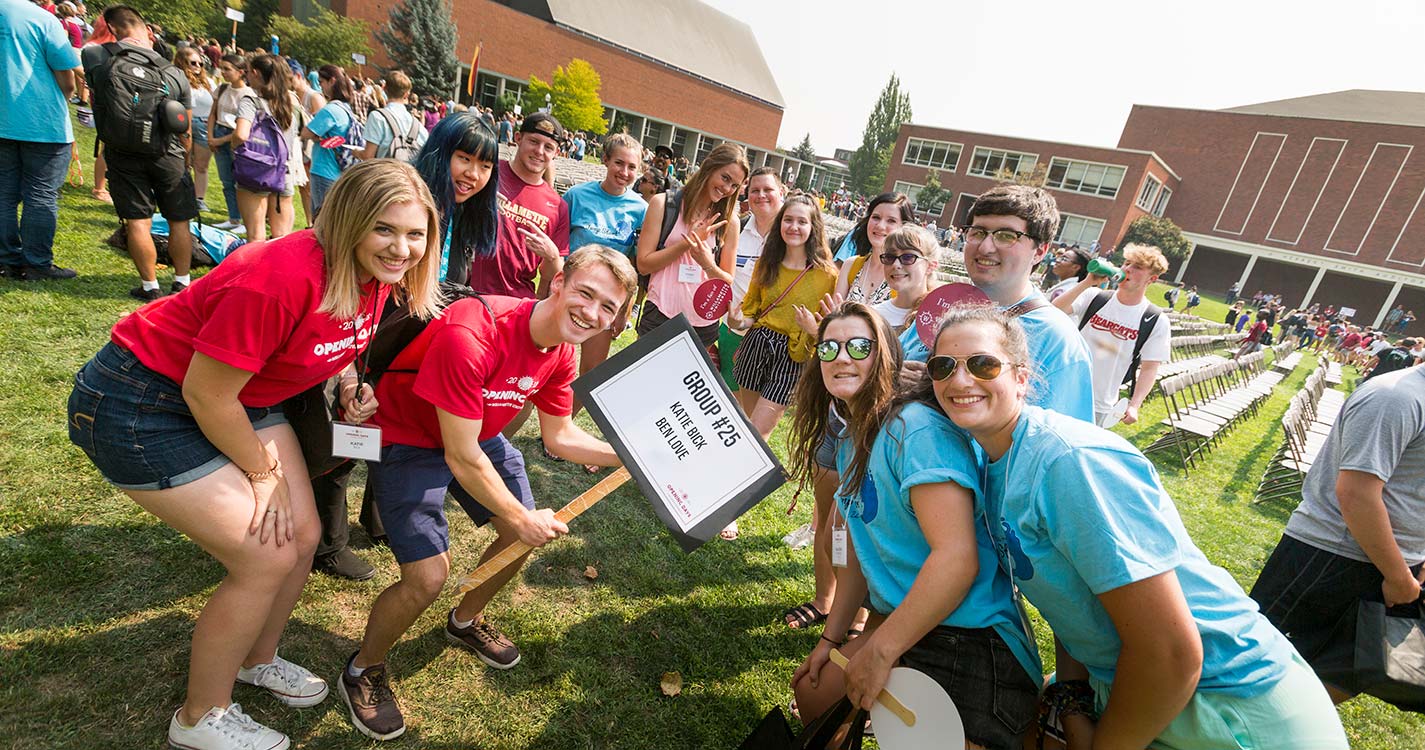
980 366
857 348
906 259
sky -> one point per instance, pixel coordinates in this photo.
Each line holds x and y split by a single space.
1069 71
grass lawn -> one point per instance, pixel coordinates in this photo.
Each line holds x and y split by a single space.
97 599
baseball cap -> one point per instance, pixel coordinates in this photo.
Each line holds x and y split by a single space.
542 123
662 150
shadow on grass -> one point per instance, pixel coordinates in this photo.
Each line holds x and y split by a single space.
99 286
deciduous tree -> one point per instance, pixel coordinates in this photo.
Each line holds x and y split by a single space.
327 39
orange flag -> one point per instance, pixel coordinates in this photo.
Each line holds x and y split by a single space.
474 66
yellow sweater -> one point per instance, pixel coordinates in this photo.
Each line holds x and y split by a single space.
807 293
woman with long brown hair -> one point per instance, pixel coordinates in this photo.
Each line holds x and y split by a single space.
190 61
267 77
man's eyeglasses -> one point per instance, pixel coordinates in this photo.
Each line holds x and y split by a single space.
906 259
980 366
1004 238
857 348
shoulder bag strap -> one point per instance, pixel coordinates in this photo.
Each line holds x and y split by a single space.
1029 305
1100 298
768 309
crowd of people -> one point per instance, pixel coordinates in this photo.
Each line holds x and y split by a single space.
442 294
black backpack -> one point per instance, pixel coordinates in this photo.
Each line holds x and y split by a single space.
1390 360
130 87
1151 313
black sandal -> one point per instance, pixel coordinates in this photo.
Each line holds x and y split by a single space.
803 616
549 455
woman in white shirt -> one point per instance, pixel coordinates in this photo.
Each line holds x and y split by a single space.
222 119
190 61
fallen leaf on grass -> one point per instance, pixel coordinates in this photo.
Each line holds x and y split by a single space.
590 572
671 684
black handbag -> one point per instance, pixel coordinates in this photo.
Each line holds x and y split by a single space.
1390 653
311 413
773 733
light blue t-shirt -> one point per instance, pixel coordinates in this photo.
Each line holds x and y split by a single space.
847 249
1084 513
597 218
377 131
1062 366
333 119
33 45
920 446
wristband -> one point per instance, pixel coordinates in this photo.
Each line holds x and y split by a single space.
272 473
832 641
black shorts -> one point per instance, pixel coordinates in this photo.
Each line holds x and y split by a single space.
652 317
139 184
1310 595
997 699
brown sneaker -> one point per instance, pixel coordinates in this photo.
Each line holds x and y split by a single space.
488 643
370 703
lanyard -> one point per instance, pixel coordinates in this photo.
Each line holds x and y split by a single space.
361 364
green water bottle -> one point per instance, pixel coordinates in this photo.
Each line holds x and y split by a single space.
1102 267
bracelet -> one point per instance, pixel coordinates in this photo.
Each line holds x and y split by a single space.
832 641
258 476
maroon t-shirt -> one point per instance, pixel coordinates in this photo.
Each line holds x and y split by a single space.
512 269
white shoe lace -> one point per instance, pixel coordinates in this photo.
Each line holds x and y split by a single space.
289 674
237 726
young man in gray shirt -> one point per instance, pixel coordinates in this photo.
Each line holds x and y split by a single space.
1359 532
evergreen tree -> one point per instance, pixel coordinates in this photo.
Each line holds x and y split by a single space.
868 165
420 40
807 153
253 32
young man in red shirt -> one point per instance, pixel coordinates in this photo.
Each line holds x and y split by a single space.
443 403
533 236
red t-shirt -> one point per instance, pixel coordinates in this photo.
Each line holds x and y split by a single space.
511 270
1352 340
475 364
257 311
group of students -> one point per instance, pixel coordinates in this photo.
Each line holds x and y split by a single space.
913 450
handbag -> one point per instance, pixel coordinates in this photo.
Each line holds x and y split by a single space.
773 733
311 413
1390 653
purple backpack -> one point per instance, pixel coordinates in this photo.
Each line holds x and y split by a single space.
260 163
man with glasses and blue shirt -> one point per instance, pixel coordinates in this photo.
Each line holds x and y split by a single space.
1009 231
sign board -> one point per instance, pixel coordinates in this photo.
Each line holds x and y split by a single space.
233 14
679 432
1348 312
358 58
939 302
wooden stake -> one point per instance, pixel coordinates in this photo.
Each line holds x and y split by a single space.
885 698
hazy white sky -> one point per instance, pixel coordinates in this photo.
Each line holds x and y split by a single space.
1069 70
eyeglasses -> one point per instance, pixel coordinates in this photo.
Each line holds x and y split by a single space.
906 259
980 366
1004 238
857 348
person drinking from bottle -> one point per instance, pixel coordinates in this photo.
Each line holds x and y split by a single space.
445 400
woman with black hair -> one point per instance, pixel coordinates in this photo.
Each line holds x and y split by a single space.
458 165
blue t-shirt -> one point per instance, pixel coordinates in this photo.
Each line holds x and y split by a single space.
920 446
1062 367
1085 513
33 44
597 218
333 119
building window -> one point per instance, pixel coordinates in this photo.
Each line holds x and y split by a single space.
920 152
912 191
652 133
680 140
1085 177
1161 205
1078 230
988 162
1149 193
706 144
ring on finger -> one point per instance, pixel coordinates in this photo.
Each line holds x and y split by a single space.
271 512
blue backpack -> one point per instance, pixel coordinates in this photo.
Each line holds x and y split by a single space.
260 163
355 140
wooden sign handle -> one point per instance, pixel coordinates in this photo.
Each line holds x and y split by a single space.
510 554
885 698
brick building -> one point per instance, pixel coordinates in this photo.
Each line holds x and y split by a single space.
1100 191
1316 198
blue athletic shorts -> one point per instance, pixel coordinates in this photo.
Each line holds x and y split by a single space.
410 485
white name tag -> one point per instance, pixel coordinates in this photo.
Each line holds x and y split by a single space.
690 274
356 441
838 547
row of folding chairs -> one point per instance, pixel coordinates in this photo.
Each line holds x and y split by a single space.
1196 346
1285 357
1305 425
1205 404
1180 366
1333 374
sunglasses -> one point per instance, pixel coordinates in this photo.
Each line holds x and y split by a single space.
857 348
980 366
906 259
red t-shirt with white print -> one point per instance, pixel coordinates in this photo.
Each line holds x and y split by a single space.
257 311
475 364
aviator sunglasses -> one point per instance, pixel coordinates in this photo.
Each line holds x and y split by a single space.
980 366
857 348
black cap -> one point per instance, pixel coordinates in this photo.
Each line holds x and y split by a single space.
661 150
542 123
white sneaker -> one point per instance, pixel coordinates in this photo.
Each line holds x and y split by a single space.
225 729
288 682
239 230
226 224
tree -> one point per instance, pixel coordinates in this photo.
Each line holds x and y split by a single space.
1161 233
868 165
1033 178
575 90
420 40
254 31
327 39
180 18
536 93
931 198
807 153
505 103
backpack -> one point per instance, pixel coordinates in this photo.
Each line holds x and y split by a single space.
260 163
403 145
1267 338
1390 360
1151 313
355 141
130 88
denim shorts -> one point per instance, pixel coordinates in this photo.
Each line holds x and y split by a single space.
200 131
410 484
997 699
830 442
135 426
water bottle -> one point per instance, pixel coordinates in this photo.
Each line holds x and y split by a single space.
1102 267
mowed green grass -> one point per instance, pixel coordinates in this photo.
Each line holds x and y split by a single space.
97 599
